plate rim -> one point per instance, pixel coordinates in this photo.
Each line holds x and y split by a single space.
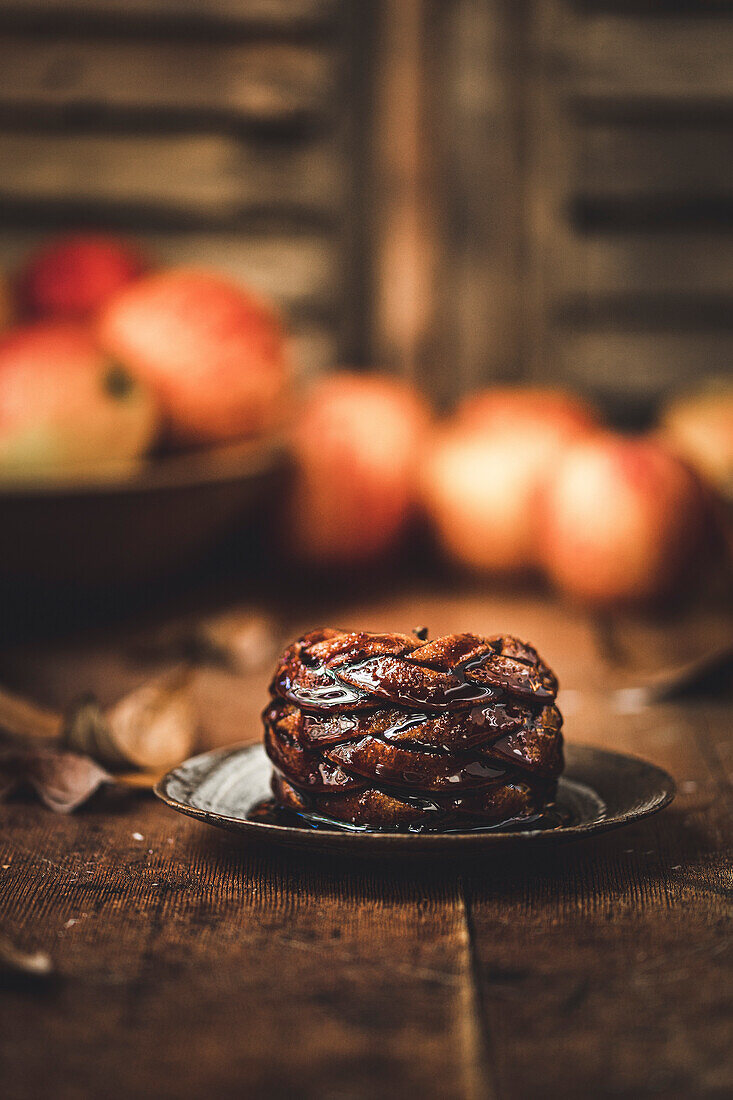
290 835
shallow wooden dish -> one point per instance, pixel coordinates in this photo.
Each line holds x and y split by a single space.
601 790
108 529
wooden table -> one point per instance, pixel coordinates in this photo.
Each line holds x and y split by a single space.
192 965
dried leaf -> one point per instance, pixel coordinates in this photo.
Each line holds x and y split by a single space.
62 780
86 731
150 729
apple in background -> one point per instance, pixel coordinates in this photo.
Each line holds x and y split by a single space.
64 407
622 519
356 443
700 429
73 277
554 414
213 353
485 470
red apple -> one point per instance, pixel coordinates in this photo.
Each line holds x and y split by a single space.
554 414
356 443
699 427
622 520
73 277
213 353
65 407
484 472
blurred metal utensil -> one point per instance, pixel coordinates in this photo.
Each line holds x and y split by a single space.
706 674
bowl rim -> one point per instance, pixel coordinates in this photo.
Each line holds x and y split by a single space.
188 469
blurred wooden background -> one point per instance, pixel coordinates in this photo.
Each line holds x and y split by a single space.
463 190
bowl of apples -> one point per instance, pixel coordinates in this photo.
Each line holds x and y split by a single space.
141 413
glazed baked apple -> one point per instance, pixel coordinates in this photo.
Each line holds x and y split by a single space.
387 731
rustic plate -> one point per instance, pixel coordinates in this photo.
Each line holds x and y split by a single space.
599 790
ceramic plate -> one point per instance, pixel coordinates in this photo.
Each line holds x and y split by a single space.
599 790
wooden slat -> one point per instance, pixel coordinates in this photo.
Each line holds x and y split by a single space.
683 312
192 173
254 14
402 196
76 214
550 156
314 348
622 161
636 367
300 271
267 81
644 263
480 296
676 59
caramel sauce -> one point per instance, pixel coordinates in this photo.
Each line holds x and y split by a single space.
553 816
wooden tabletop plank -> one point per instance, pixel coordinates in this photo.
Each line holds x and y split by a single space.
604 967
613 954
190 965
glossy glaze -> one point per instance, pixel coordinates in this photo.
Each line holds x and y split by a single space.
388 731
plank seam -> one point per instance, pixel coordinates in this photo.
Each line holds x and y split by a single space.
481 1082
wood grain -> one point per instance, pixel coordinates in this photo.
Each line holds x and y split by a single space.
631 57
254 15
260 977
191 965
476 113
643 263
197 174
267 81
646 914
635 366
691 160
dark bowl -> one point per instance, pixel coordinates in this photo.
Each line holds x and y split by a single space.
96 530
